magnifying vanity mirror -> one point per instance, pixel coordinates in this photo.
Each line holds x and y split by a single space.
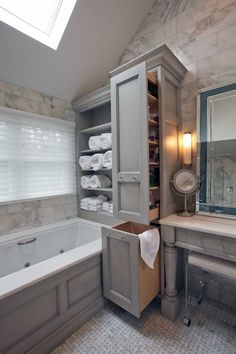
216 162
185 183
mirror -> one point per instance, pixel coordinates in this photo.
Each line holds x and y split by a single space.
216 162
185 183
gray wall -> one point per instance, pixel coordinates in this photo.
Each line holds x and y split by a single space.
201 34
15 216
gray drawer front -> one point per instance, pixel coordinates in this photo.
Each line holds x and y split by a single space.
206 243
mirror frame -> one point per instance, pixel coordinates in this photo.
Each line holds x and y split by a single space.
216 211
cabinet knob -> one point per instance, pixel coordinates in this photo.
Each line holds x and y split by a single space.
134 178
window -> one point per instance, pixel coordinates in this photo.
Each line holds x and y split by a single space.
37 156
43 20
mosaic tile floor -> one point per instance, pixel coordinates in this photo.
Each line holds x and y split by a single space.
114 331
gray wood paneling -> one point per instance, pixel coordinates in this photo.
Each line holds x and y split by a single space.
83 285
130 145
121 269
36 314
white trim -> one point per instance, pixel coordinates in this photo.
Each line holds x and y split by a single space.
56 30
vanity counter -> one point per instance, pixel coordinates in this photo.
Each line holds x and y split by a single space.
206 224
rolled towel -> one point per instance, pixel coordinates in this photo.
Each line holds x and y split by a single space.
84 162
99 181
107 159
149 246
94 142
96 162
106 141
85 181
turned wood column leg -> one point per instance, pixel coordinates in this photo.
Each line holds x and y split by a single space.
170 304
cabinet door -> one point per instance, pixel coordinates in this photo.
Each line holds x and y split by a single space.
120 258
130 145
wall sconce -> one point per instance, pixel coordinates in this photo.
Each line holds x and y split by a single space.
187 148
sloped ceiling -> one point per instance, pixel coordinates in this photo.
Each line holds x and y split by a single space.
97 34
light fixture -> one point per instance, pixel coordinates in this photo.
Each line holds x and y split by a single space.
187 148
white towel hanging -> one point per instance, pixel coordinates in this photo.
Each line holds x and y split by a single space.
149 246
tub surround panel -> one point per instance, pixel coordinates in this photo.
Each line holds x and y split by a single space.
22 215
53 320
43 304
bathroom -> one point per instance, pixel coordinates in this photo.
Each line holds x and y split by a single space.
73 207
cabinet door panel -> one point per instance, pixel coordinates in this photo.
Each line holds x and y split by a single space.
130 145
120 258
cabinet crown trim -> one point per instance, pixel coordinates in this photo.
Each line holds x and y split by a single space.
92 100
159 56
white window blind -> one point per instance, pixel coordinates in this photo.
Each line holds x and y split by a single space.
37 156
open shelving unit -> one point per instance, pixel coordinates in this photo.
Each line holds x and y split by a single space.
153 143
93 118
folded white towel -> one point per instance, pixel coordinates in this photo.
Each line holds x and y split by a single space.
94 143
107 159
149 245
85 181
105 141
84 162
96 162
102 197
99 181
106 205
95 208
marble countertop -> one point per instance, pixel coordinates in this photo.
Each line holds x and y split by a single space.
207 224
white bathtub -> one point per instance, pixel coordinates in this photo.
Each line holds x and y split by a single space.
42 304
30 256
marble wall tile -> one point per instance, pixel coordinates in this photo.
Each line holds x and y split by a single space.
21 215
204 41
227 38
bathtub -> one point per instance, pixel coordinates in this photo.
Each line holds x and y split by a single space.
50 284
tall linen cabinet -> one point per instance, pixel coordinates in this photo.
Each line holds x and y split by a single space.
133 106
145 115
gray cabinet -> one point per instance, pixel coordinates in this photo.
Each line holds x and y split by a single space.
127 280
145 112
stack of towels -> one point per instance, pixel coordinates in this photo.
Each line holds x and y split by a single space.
96 162
108 206
95 181
93 203
100 142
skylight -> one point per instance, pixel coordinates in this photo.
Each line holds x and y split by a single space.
43 20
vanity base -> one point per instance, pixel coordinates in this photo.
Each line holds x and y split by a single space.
170 309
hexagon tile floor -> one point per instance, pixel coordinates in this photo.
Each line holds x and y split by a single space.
114 331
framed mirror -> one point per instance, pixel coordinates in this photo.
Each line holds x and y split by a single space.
216 160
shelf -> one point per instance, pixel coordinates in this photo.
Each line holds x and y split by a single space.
88 151
97 189
152 100
101 169
154 188
155 164
154 214
102 212
152 78
152 143
152 123
97 129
